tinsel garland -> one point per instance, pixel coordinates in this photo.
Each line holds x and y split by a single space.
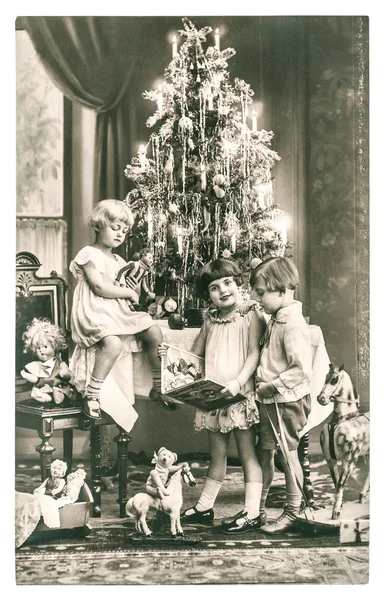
206 190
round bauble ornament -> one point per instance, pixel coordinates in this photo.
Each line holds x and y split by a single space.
254 262
219 192
185 125
173 208
219 180
170 305
176 321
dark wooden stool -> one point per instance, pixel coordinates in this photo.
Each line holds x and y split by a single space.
45 421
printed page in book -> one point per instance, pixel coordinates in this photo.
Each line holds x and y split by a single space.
183 379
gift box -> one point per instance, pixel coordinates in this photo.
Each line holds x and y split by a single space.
354 531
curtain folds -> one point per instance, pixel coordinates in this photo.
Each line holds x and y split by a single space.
92 61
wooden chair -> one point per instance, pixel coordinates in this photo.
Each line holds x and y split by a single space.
45 297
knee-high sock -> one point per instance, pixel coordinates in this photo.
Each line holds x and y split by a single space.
253 490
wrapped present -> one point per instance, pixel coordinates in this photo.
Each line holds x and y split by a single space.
354 531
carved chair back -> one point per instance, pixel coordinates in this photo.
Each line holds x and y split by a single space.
36 297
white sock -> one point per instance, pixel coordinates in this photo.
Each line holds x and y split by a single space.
209 494
253 491
293 503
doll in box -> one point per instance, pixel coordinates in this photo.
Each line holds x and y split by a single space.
49 375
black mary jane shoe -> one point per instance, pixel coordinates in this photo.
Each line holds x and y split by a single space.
162 400
243 524
205 517
230 520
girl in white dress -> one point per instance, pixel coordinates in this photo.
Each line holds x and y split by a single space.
229 341
102 322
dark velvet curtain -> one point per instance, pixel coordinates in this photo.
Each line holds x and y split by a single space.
92 61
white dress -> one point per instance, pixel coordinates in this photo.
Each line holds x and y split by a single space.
226 343
93 318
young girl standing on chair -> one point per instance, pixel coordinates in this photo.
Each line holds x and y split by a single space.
229 341
283 381
102 322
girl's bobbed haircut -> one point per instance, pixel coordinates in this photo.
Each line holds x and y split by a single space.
216 269
107 211
40 330
279 274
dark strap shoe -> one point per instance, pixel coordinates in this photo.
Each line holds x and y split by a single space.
229 520
205 517
243 524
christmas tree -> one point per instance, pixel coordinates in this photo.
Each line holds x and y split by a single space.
203 183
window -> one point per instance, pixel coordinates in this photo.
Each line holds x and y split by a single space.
43 201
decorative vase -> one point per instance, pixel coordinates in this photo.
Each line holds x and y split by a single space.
195 316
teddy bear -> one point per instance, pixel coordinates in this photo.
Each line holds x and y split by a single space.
156 482
49 375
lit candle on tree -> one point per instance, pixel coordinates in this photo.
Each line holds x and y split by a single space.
261 199
160 97
254 120
217 39
142 154
174 46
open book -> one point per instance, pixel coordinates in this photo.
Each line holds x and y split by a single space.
183 379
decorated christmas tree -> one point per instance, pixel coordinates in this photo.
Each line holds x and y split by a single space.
203 183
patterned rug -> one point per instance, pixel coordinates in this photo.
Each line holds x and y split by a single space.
111 554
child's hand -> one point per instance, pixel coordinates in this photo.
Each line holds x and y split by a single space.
133 297
161 351
266 390
231 389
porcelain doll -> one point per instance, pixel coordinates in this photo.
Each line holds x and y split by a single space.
49 375
54 485
135 274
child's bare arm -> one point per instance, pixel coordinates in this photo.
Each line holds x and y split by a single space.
106 289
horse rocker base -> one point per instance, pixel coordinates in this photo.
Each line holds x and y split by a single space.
352 526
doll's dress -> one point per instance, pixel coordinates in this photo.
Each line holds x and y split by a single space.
93 318
226 348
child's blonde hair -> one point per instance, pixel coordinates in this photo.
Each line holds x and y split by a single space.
279 274
40 330
109 210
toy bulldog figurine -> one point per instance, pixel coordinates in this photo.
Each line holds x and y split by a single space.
49 375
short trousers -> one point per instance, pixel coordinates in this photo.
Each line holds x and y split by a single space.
294 417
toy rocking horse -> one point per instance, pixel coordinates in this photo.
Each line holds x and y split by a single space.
346 436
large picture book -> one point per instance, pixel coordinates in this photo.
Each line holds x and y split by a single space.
183 379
